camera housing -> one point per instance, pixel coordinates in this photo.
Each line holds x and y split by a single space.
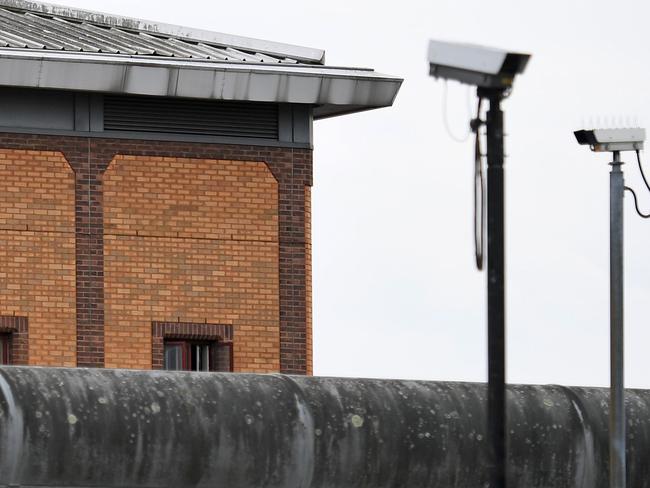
481 66
611 140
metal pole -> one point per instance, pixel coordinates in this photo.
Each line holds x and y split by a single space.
617 387
496 289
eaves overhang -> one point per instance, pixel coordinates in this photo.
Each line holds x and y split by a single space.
331 91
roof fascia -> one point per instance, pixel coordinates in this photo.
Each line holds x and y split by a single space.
332 91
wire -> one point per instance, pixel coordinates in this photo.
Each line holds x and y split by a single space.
479 179
645 180
638 160
479 191
636 204
445 118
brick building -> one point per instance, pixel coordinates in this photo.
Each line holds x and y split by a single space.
155 191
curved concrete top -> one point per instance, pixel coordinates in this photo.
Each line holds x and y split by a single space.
108 428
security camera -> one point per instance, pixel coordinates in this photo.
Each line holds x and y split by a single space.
481 66
611 140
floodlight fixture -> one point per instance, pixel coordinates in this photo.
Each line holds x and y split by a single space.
612 140
492 71
480 66
616 141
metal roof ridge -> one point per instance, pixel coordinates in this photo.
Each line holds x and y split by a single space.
300 53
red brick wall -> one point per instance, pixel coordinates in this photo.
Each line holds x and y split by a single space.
37 252
90 157
191 240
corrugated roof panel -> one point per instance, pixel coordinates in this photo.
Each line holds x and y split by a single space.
144 45
125 46
30 30
191 50
95 41
35 29
162 48
20 41
214 52
244 56
268 59
102 42
223 52
54 27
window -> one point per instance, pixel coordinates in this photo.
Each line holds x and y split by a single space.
192 346
13 340
190 355
4 348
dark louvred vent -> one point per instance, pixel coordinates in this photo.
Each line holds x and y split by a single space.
196 117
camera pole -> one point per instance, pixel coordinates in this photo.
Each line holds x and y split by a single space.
617 388
496 409
615 141
493 72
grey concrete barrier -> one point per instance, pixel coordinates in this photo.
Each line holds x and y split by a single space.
119 428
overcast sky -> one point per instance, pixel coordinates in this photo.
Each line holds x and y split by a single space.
396 293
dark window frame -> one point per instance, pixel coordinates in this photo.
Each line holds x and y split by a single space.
5 348
186 353
16 347
219 335
231 357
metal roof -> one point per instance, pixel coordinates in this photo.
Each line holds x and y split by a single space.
48 46
31 25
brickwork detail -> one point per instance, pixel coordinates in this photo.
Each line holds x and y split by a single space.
308 285
37 251
293 295
191 240
19 347
189 331
89 158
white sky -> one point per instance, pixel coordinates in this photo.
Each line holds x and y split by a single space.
396 294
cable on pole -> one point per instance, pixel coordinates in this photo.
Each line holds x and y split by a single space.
445 117
645 180
636 204
479 190
638 160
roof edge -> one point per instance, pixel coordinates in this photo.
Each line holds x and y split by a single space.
331 92
300 53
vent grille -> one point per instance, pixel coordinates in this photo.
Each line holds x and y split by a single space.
195 117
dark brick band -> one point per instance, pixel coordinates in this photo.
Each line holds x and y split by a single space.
19 345
89 158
